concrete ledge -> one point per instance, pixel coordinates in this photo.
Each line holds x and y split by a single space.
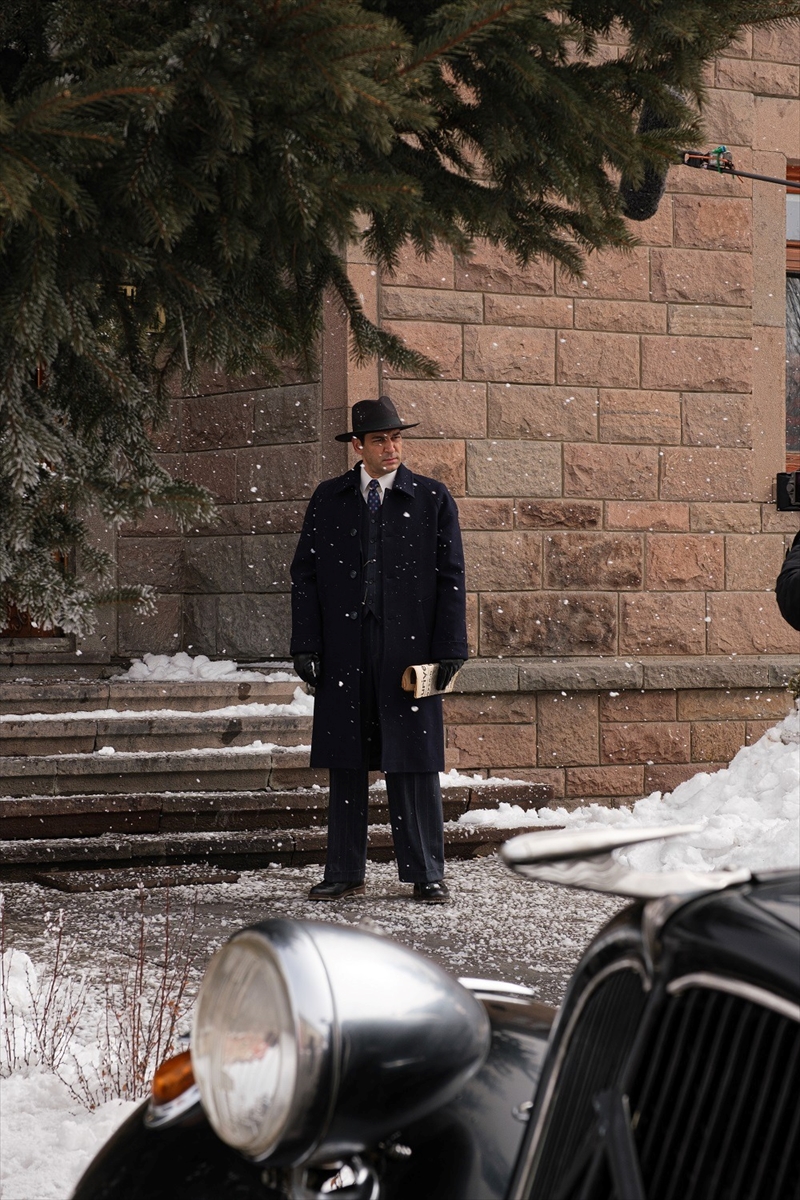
621 673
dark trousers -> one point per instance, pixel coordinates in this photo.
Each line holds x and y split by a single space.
415 797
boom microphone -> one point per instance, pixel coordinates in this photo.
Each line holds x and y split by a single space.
640 201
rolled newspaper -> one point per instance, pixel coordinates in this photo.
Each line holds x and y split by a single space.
421 680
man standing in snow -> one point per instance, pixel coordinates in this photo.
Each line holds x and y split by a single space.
378 585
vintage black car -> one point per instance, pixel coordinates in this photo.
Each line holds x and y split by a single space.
331 1062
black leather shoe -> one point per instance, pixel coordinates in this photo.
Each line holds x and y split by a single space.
336 890
431 893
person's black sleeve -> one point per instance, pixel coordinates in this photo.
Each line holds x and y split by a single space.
787 586
449 637
306 614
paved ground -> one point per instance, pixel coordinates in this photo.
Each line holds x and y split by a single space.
497 926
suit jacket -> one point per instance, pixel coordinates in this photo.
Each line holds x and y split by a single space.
424 614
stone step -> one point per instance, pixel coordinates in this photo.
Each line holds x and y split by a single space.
250 768
195 695
85 815
229 849
170 729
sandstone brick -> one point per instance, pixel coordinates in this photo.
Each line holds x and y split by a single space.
484 745
568 731
773 43
761 78
645 742
557 514
704 474
412 270
611 472
685 562
740 47
754 730
266 561
707 320
662 623
215 470
605 781
477 513
473 624
152 561
713 223
442 408
552 778
440 460
724 518
156 633
277 472
541 312
213 422
620 316
514 623
251 627
710 419
503 561
709 704
702 276
154 523
509 354
287 414
610 274
230 519
729 116
200 624
716 741
697 364
752 562
528 411
280 517
593 560
749 623
773 521
636 416
440 342
415 304
507 468
714 183
657 231
167 438
776 126
665 779
597 359
652 515
638 706
212 564
515 708
492 269
709 671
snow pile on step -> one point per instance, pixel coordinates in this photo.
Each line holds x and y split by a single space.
155 668
302 705
749 812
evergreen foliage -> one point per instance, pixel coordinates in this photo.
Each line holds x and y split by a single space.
178 179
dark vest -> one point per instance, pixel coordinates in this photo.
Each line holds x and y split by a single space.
372 560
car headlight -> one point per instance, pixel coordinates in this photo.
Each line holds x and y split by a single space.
317 1040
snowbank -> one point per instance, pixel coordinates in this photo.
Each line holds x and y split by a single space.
749 812
153 668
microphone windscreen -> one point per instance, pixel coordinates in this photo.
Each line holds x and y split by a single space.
641 202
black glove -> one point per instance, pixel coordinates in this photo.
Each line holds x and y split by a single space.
308 667
447 669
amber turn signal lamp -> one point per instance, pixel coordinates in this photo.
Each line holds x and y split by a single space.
173 1078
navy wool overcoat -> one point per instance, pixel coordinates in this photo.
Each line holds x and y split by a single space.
424 615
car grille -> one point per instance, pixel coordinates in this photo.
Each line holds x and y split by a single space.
715 1107
594 1059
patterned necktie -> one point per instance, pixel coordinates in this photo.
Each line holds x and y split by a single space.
373 497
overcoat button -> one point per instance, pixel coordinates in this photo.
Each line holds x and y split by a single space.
353 532
353 616
353 574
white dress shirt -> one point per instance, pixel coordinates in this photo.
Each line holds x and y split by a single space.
385 481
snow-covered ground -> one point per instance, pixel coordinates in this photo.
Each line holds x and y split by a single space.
748 813
497 925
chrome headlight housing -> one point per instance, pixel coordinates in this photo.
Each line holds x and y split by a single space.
313 1040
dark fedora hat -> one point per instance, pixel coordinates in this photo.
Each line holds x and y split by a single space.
374 416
